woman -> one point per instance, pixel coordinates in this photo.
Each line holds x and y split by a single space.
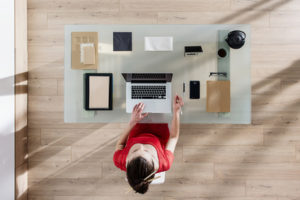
146 149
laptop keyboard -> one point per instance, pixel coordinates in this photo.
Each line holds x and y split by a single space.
148 92
148 76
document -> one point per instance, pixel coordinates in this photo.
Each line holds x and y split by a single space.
158 43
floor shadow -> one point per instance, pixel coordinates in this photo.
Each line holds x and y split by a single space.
240 13
55 143
13 82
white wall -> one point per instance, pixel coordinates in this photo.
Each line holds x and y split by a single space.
7 148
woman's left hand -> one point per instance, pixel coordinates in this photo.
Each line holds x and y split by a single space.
137 114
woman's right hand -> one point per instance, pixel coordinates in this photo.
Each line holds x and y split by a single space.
137 114
177 104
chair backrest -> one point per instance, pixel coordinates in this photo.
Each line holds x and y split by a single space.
160 180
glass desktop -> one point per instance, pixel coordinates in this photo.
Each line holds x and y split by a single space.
184 68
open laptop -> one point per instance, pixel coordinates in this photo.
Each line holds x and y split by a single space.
153 89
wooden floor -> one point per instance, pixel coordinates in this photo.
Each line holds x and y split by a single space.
224 162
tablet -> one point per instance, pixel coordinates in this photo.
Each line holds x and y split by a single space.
98 91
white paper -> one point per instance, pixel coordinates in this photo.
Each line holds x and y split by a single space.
82 45
158 43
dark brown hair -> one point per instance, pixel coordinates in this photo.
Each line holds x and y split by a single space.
137 170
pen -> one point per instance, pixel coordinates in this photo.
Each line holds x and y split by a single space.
183 91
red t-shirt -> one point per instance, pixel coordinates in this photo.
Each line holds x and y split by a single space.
155 134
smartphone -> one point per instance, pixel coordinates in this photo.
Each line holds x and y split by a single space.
194 89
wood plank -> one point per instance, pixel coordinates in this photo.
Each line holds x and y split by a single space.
276 119
109 170
45 53
34 136
34 140
282 136
137 17
222 198
46 37
216 126
193 172
46 70
283 19
57 20
271 53
214 18
241 5
84 6
178 154
275 103
39 4
267 86
82 187
32 197
270 35
291 86
269 70
101 153
46 103
175 5
233 154
84 137
37 20
52 154
78 170
287 198
200 189
116 187
270 171
42 87
298 152
101 197
225 136
39 171
48 119
274 188
266 99
60 87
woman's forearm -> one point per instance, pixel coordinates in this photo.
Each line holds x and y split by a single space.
175 125
123 138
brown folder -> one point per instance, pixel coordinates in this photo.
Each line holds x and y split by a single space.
218 96
79 38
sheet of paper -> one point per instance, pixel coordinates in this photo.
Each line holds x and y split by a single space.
158 43
99 92
89 55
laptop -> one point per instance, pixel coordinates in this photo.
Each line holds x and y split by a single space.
153 89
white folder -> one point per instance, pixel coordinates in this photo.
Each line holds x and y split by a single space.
158 43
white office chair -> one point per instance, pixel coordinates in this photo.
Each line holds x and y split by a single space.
159 180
